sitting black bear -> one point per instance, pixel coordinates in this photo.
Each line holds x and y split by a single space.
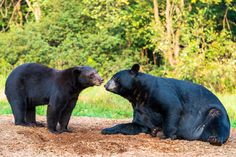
181 109
33 84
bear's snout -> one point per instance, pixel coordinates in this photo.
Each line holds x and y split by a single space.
110 86
98 80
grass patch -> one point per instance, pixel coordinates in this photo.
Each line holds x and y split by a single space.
96 102
233 123
229 102
5 108
2 82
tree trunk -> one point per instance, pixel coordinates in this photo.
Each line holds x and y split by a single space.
157 24
177 33
154 58
146 54
35 9
168 21
177 47
169 54
142 54
181 3
16 11
156 11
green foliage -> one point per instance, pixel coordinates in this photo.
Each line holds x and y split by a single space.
214 67
111 35
208 56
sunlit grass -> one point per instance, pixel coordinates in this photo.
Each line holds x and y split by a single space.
229 102
100 103
5 108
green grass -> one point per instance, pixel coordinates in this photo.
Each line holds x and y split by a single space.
229 102
96 102
5 108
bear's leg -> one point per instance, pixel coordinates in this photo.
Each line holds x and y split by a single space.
126 129
204 122
55 107
19 109
170 122
53 114
147 117
31 117
66 114
218 129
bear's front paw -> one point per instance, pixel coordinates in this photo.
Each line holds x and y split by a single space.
173 137
36 124
54 131
108 131
66 130
154 131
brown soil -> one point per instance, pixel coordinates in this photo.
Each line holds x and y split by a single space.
86 140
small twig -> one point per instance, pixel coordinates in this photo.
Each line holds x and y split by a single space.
233 23
225 18
14 10
2 3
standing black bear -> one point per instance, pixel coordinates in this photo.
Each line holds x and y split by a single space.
33 84
183 110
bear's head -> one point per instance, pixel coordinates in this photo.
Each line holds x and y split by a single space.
86 76
122 82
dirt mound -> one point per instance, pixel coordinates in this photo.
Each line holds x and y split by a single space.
86 140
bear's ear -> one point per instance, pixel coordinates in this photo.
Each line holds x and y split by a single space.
135 68
76 71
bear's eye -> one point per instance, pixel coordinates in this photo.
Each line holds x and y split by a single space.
91 75
115 79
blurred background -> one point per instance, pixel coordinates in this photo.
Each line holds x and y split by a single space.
193 40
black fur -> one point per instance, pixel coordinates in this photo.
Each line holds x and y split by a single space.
30 85
181 109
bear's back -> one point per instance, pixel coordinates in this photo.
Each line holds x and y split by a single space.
188 93
30 78
30 70
194 95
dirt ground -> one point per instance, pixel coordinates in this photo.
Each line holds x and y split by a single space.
86 140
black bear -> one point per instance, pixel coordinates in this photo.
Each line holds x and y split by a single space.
34 84
181 109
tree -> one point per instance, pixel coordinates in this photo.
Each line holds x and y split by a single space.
186 39
18 12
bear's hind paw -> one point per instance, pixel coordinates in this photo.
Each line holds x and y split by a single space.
214 140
